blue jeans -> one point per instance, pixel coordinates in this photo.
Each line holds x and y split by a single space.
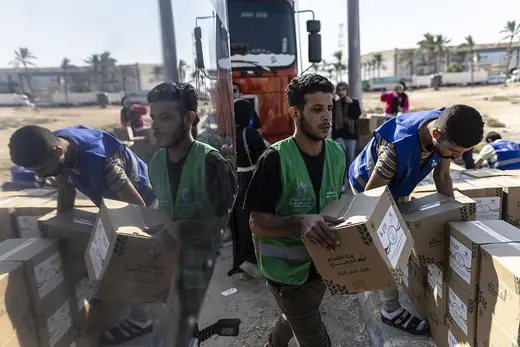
350 150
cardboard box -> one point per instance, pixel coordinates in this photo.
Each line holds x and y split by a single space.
511 198
414 281
462 312
375 244
482 173
48 292
74 229
375 121
119 257
493 335
29 192
16 317
488 195
456 338
426 219
465 240
499 294
436 302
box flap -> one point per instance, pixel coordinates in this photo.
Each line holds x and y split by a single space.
507 254
487 231
480 173
338 208
428 206
23 249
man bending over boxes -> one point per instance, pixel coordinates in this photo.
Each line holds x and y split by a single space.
403 151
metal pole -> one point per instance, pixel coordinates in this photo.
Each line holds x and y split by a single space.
354 51
168 41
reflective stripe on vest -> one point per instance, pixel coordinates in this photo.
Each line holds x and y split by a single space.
502 163
268 250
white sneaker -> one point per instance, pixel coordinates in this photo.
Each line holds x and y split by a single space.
250 269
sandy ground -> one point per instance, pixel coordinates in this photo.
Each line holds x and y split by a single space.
253 303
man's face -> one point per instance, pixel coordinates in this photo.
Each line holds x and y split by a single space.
169 126
52 166
342 91
315 120
236 92
446 148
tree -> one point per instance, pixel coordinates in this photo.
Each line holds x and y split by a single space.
441 43
470 45
126 73
339 66
107 68
65 69
408 57
95 64
455 67
511 30
428 47
378 62
25 58
182 70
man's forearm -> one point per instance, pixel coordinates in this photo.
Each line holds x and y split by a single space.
270 225
444 184
66 195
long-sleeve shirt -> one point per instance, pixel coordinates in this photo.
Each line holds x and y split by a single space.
389 96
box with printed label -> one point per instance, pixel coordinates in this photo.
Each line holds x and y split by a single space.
414 281
374 248
499 288
119 255
488 195
465 239
426 219
45 283
436 302
16 316
74 229
511 198
462 312
456 337
493 335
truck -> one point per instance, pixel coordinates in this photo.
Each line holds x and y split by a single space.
264 58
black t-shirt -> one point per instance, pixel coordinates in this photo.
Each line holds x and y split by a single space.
266 185
256 146
220 180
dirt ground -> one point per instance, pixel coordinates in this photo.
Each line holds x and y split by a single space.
253 303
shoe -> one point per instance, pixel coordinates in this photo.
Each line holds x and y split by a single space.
250 269
245 277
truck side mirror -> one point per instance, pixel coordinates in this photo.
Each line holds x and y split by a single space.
199 59
313 28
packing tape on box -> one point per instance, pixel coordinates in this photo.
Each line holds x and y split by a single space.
491 232
17 249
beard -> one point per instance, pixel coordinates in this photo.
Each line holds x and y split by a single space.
436 145
177 137
307 131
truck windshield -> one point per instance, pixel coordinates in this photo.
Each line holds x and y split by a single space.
261 32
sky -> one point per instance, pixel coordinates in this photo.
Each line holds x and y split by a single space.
130 29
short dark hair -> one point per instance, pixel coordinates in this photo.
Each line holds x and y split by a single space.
462 124
342 84
184 93
31 145
493 136
235 84
243 112
306 84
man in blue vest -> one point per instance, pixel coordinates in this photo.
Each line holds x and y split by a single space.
403 151
499 153
100 166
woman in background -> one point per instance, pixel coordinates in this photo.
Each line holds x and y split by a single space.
396 101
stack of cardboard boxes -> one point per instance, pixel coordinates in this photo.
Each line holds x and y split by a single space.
54 285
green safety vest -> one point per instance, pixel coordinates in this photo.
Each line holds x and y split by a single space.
192 202
285 260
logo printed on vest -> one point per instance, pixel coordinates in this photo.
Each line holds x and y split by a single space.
186 204
331 195
300 200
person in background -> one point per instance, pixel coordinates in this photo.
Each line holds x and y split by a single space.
403 151
467 157
98 165
132 116
310 169
21 178
499 153
254 123
250 146
396 101
345 113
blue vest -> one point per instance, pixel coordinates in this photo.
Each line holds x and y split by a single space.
508 155
403 132
94 147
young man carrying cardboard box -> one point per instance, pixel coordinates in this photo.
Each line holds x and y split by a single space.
195 185
293 182
98 165
401 154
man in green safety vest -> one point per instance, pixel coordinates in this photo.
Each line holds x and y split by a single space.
195 185
294 180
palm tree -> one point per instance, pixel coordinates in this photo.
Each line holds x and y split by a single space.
338 65
511 30
65 69
378 62
470 45
428 47
24 58
408 57
441 43
126 72
182 70
107 68
95 64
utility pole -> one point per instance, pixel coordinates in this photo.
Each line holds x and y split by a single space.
168 41
354 51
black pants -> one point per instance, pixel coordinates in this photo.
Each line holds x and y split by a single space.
468 159
243 248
